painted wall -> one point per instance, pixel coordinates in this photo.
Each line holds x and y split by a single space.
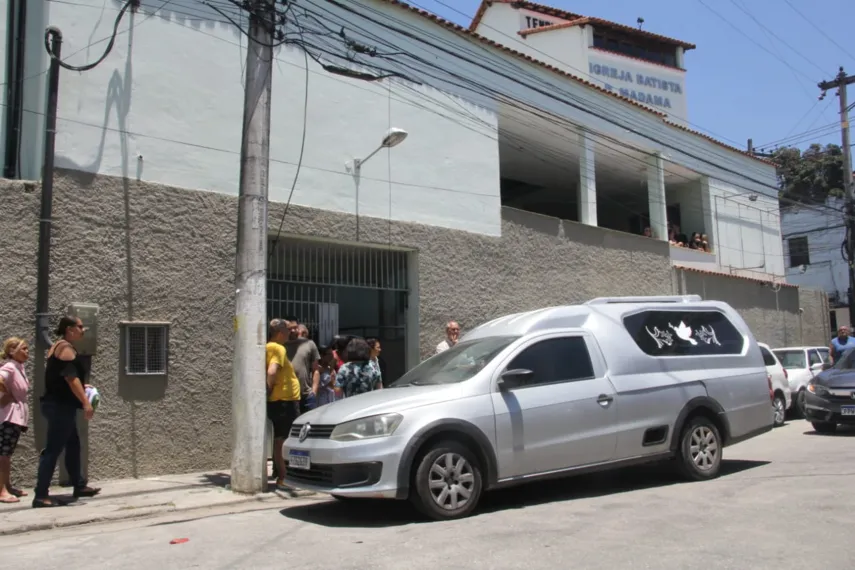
656 86
4 11
173 86
823 228
748 233
174 83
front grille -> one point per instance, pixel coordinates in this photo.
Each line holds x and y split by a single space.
321 475
342 475
317 431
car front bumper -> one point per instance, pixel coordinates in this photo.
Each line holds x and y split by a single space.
830 408
367 468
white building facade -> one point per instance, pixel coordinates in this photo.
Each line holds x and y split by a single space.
813 238
521 184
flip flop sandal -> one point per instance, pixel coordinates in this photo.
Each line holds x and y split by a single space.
45 503
9 500
18 492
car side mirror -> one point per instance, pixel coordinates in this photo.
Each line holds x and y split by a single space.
511 379
817 367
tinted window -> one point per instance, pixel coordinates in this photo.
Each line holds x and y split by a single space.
684 333
823 352
768 359
792 358
556 360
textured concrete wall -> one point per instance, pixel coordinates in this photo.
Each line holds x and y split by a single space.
773 316
148 252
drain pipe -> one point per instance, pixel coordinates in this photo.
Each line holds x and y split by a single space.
53 42
15 47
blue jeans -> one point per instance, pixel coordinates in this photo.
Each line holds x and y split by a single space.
61 435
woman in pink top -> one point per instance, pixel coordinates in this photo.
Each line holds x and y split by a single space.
14 412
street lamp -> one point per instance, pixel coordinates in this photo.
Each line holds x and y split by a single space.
393 137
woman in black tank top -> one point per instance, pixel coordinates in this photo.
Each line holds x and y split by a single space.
64 395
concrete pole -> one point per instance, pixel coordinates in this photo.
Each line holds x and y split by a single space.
249 417
656 196
587 187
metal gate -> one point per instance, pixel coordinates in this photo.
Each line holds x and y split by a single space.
310 280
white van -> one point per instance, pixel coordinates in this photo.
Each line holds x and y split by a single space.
546 393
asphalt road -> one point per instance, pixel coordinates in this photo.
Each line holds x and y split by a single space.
784 501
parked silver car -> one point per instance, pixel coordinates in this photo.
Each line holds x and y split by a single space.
545 393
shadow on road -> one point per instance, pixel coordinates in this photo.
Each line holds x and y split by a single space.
366 513
842 431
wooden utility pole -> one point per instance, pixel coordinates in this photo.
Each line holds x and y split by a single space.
841 81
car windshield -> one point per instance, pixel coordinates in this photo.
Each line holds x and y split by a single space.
846 362
457 364
791 358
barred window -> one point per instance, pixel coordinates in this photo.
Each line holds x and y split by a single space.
146 348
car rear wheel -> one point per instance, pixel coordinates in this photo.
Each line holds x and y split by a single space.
797 410
448 482
700 450
779 407
824 427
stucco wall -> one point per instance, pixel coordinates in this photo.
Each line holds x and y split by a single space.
149 252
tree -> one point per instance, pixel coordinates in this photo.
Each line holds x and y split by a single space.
810 176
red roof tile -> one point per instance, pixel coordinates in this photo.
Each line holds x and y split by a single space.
722 274
550 11
461 30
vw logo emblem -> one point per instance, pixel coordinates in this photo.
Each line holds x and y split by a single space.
304 431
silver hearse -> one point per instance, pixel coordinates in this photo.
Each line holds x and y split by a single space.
546 393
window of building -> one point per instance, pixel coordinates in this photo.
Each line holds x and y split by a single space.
146 348
641 48
684 333
799 253
556 360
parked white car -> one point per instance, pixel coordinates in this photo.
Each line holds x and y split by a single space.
802 363
782 400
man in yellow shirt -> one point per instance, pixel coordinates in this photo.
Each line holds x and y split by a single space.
283 391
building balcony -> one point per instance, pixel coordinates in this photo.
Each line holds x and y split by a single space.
693 258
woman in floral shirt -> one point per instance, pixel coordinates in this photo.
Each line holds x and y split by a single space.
360 373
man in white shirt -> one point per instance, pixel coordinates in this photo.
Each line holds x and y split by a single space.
452 335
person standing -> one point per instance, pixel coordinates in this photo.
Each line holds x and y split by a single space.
841 343
304 356
452 335
65 394
14 412
283 393
359 374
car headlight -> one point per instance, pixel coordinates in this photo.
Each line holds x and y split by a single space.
365 428
820 391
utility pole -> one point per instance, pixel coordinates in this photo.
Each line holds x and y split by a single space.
249 417
841 82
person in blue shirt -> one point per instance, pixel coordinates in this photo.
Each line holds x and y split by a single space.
841 343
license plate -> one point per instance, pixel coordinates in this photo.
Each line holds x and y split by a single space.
300 459
847 410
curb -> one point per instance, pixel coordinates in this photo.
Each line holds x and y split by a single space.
151 511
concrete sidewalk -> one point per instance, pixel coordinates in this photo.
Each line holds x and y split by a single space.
135 498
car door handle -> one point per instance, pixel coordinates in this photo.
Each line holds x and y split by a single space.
604 400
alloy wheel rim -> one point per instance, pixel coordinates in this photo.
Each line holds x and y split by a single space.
451 481
703 447
779 411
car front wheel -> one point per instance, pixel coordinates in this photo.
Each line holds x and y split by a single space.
448 482
700 449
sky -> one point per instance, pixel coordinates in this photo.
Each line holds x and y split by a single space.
755 70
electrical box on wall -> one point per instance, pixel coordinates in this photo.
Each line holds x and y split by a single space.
88 314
